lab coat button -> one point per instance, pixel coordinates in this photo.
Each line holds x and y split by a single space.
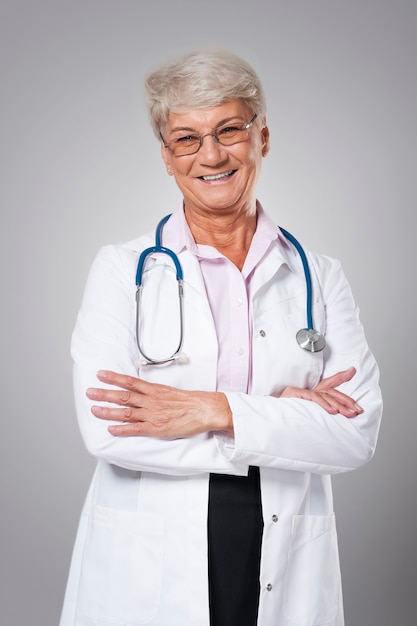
275 518
269 587
262 333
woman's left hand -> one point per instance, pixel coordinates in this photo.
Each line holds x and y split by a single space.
154 410
328 396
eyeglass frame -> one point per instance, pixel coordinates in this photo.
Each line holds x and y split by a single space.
213 133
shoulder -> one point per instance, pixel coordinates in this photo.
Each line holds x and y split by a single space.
323 264
115 264
319 264
124 252
327 272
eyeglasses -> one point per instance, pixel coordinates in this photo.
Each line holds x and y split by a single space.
226 135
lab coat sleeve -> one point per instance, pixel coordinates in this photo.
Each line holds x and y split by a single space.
104 338
297 434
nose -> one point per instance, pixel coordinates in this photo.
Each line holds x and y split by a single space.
211 150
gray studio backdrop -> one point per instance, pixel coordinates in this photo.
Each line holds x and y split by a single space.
80 168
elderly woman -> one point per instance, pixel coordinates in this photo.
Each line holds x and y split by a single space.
215 432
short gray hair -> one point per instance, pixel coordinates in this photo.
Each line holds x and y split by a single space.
199 80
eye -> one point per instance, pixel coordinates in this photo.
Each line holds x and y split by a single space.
186 139
230 129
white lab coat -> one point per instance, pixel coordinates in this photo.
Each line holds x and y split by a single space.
141 550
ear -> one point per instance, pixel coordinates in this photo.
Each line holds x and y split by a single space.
166 156
265 140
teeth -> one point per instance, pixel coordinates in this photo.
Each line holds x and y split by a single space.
218 176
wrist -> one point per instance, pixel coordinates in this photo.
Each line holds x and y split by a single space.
224 416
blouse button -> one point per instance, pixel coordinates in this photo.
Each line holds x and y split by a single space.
262 333
269 587
275 518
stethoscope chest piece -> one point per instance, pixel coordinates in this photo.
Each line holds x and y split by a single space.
310 339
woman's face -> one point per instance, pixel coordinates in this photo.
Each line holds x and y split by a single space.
217 178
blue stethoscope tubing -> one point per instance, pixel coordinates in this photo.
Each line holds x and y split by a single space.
160 249
308 338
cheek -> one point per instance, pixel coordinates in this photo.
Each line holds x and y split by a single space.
182 174
179 171
254 161
250 153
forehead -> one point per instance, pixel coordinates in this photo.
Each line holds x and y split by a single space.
211 117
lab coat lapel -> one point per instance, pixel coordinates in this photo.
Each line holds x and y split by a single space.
193 278
280 255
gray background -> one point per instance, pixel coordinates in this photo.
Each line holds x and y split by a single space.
80 168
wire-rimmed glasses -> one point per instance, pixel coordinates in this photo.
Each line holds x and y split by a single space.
226 135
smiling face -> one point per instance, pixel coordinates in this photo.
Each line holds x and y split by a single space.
217 179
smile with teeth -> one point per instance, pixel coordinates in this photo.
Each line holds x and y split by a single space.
218 176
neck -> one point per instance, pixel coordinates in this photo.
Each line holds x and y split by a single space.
229 234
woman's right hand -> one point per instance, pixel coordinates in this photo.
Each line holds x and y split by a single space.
327 396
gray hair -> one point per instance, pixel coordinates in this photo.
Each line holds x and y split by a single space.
200 80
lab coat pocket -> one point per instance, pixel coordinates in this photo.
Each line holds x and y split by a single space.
312 584
122 566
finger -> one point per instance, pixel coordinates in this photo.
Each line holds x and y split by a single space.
332 401
324 402
341 403
340 399
349 412
318 397
117 415
136 429
128 382
337 379
122 397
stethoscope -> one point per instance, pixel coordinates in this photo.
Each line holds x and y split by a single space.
308 338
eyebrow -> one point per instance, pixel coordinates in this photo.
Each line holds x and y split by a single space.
226 120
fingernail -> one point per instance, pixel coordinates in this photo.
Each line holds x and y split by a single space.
102 374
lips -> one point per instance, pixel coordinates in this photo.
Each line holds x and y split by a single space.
218 176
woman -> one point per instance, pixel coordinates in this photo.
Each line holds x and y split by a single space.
211 502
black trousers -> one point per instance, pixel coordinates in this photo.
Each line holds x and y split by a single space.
234 540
